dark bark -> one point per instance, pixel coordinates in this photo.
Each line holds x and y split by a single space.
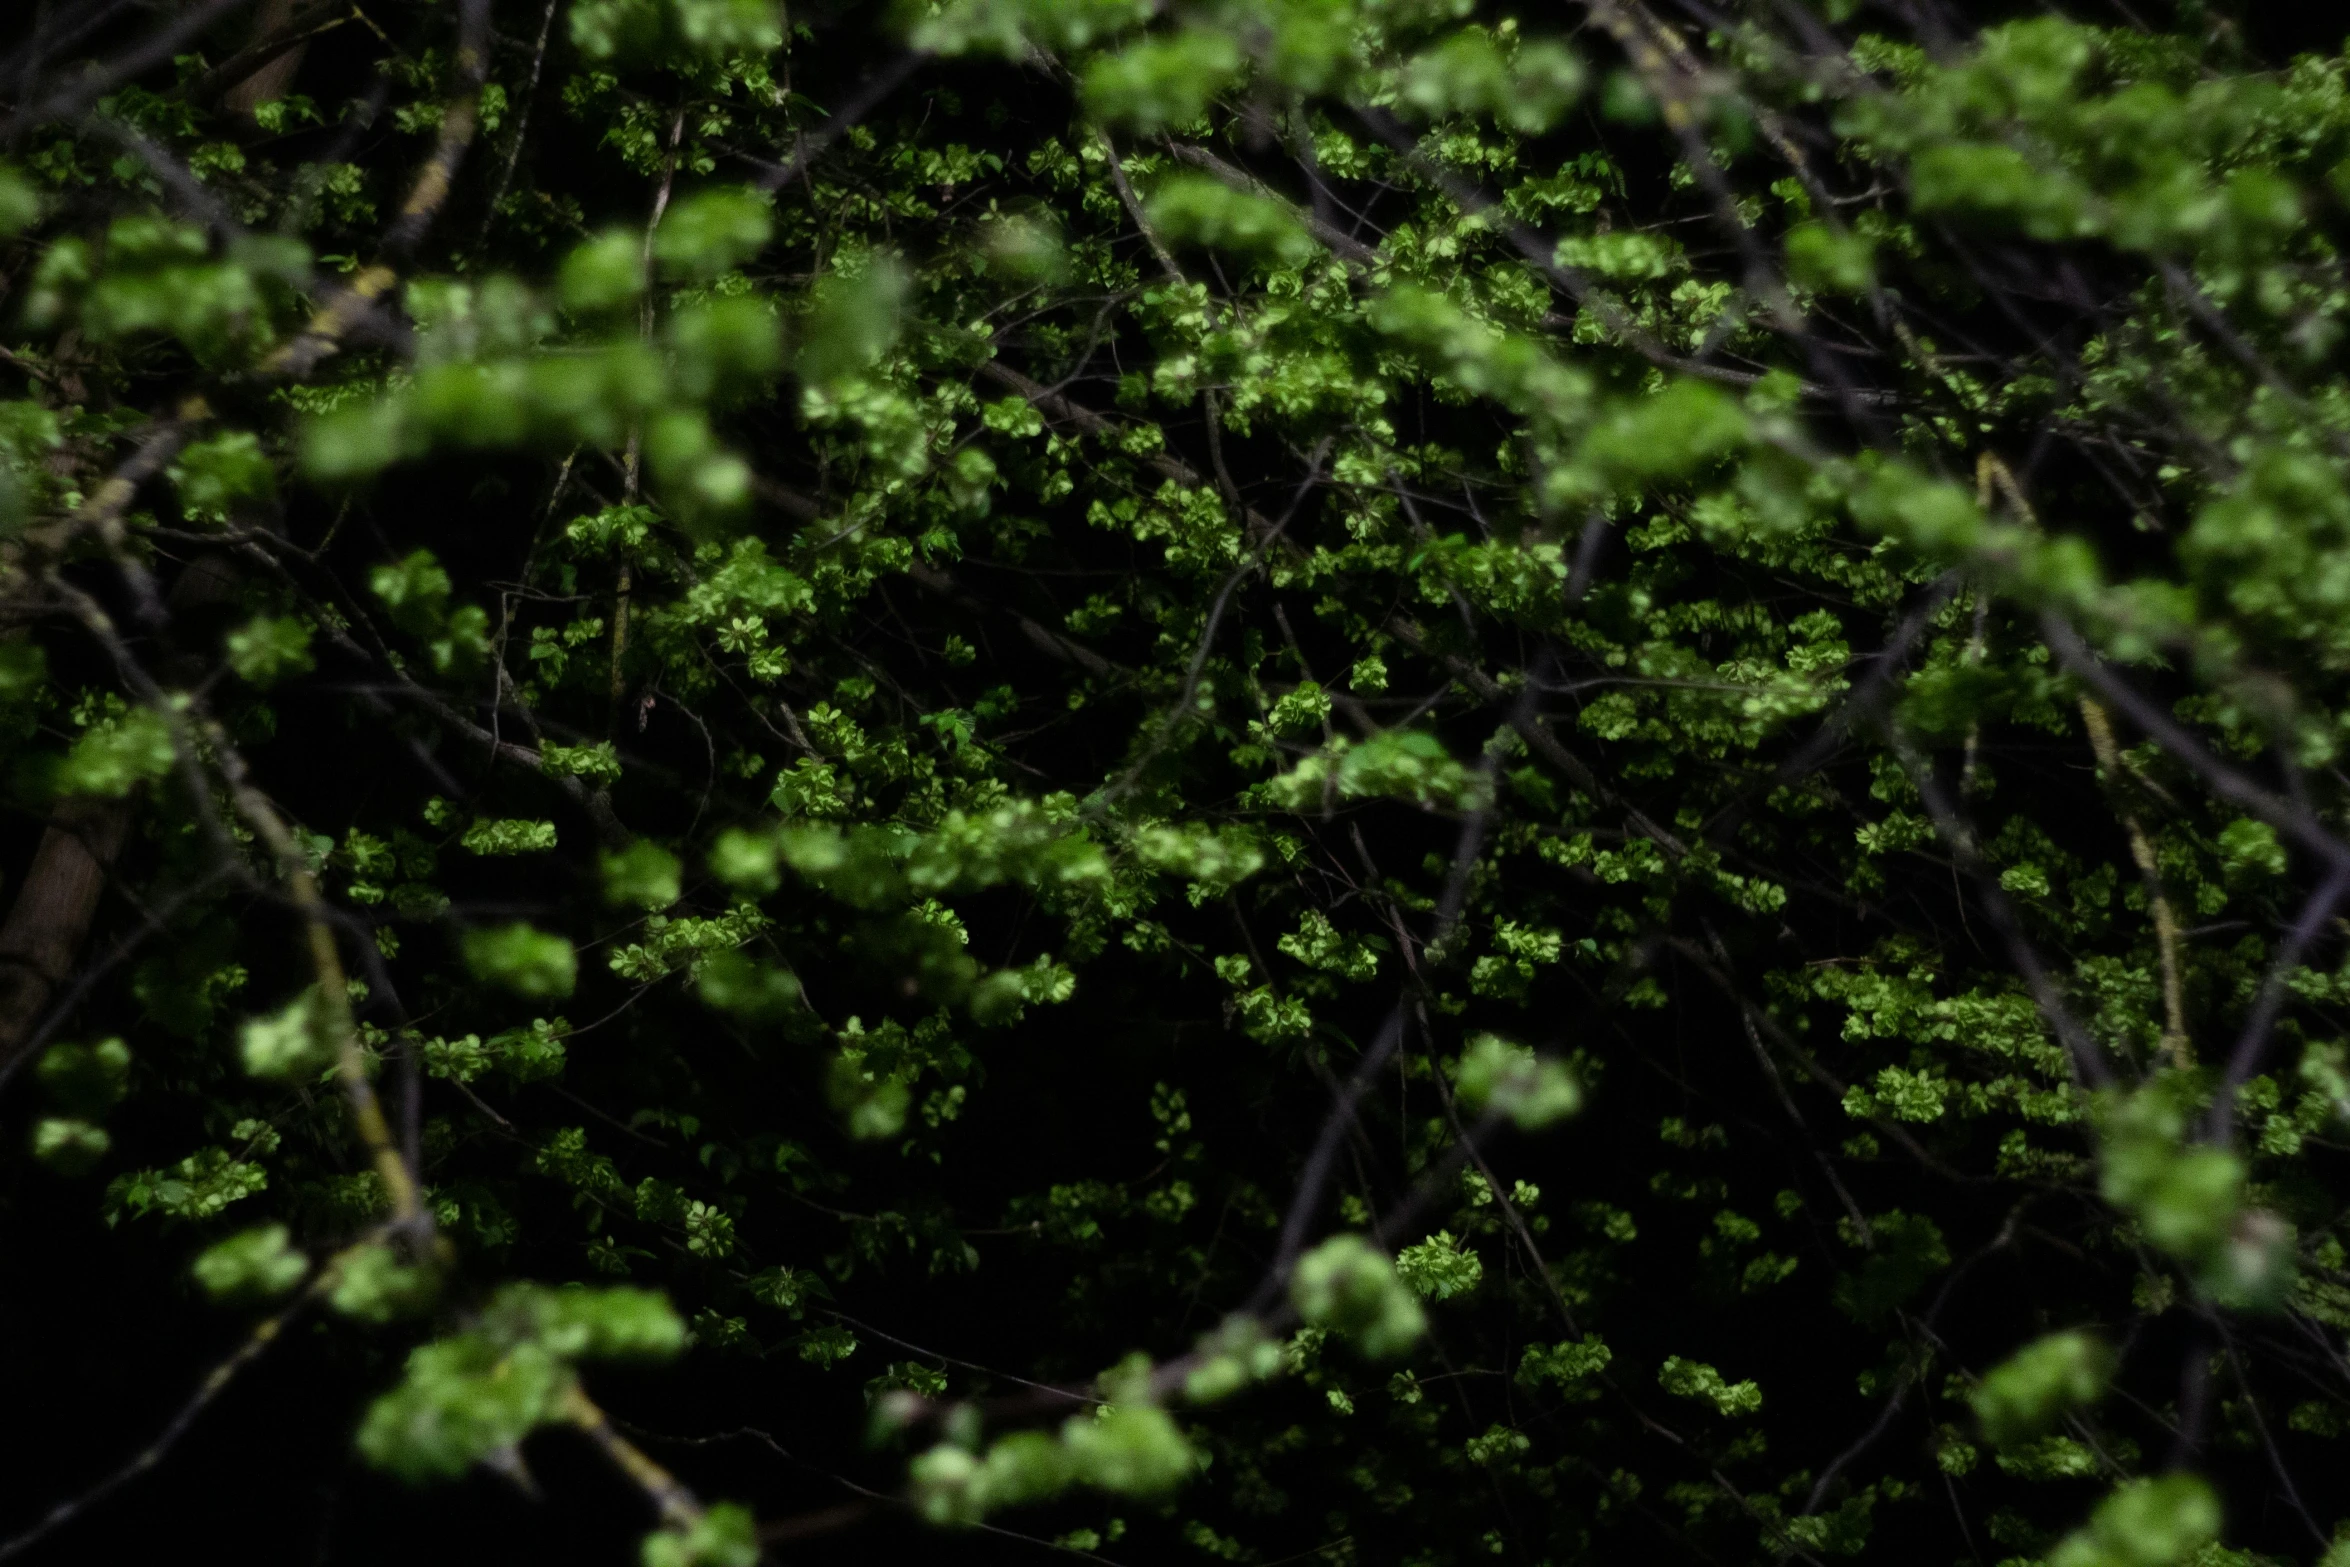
50 919
280 59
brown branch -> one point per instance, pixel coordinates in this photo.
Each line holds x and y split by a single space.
530 94
2295 821
331 322
265 67
51 916
2175 1043
679 1507
1142 224
103 512
333 990
459 121
1332 238
340 1029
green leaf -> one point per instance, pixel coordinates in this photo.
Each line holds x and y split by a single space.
700 481
734 982
1439 1267
872 1104
529 1054
2145 1523
643 874
724 1536
1498 1445
198 1187
1695 1379
604 274
1565 1364
268 648
2249 848
725 347
1010 28
2255 1267
1498 1077
86 1079
216 475
746 861
1199 210
24 672
597 762
1238 1353
531 963
414 591
508 836
2186 1197
853 319
712 231
1161 81
373 1285
20 202
1128 1449
1832 261
2000 183
69 1145
1027 250
116 756
289 1043
827 1345
354 442
256 1264
2052 1377
580 1323
646 30
1027 1466
1349 1287
1464 73
462 1400
1471 74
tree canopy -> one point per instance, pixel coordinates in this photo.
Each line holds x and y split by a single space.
1346 781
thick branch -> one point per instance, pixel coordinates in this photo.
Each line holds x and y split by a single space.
50 918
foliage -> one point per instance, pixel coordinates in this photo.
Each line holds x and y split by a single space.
1619 730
